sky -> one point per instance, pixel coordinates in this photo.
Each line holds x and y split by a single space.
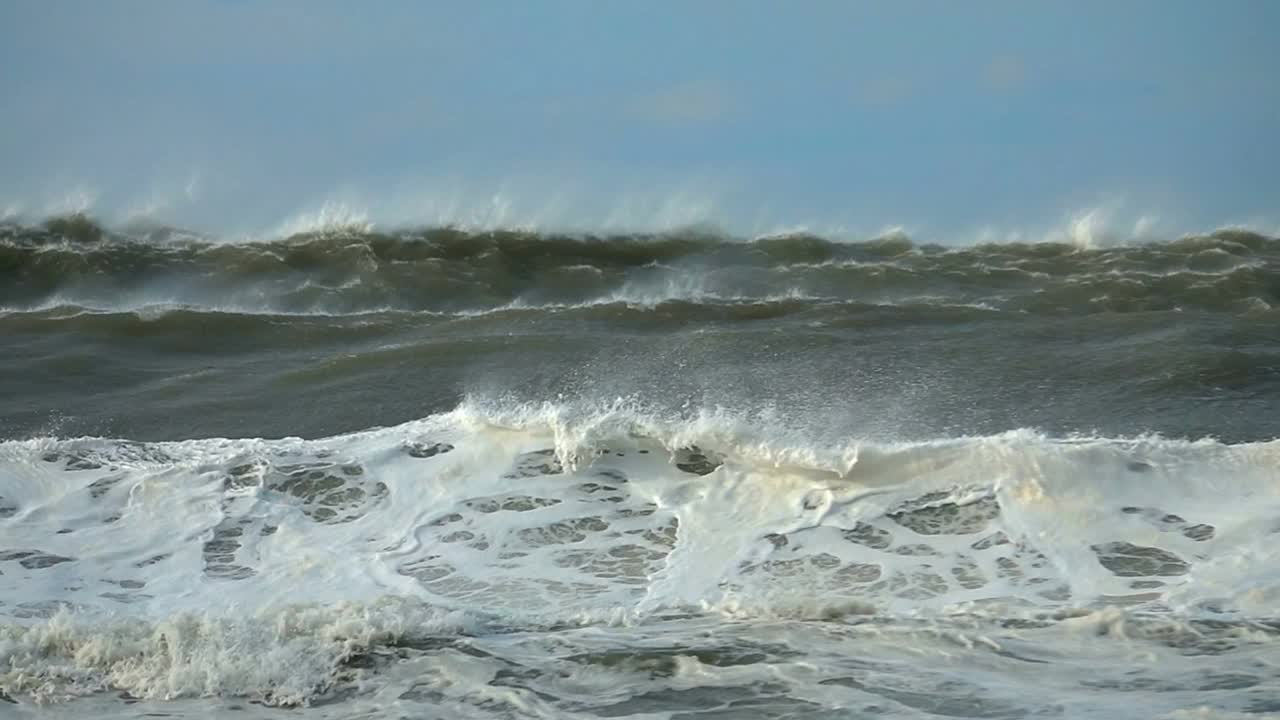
942 118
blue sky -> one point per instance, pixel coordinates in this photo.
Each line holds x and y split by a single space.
935 116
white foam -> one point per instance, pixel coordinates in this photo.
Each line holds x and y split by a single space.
270 562
282 657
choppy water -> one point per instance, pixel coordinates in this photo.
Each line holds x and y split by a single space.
439 473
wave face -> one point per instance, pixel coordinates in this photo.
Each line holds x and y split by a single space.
536 560
72 262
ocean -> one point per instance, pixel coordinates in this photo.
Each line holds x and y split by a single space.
483 473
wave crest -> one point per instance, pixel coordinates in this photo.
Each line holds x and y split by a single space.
351 269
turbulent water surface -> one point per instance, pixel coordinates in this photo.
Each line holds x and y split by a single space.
442 473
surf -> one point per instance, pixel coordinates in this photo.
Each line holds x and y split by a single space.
266 568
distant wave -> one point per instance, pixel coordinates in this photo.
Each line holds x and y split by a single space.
73 261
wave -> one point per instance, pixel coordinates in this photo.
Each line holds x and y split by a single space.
352 271
317 656
282 657
564 476
278 569
355 654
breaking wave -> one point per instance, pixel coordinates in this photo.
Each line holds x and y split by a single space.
282 569
73 262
